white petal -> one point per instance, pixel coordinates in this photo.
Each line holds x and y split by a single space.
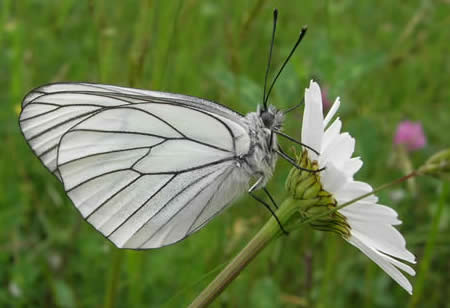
354 189
331 132
383 237
352 166
367 211
332 178
332 112
339 150
382 262
404 267
312 127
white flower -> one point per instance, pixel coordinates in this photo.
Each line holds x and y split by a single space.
371 224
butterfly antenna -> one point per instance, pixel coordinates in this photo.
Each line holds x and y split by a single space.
300 38
275 17
293 107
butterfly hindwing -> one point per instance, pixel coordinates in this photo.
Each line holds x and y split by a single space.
144 169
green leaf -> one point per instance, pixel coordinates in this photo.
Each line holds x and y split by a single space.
265 294
63 294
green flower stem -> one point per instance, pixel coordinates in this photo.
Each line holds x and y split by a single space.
429 251
112 284
269 231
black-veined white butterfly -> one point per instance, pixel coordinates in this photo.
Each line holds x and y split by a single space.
149 168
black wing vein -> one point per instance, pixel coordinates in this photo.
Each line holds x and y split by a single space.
98 176
170 200
113 151
182 208
209 200
112 196
143 204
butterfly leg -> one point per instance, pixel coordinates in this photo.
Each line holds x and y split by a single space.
270 197
293 163
256 185
270 210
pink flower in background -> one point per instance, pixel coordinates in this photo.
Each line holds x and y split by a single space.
325 101
410 134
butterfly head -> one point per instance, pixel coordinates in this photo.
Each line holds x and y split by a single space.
271 117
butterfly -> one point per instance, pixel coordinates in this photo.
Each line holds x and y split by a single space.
149 168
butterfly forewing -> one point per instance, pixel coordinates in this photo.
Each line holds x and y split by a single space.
50 111
145 168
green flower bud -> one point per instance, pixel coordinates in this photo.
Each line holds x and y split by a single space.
437 165
306 186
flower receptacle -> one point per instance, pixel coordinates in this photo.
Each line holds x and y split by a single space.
305 185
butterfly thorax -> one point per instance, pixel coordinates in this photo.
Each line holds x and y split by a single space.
261 158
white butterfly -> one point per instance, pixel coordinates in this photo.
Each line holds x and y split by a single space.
148 168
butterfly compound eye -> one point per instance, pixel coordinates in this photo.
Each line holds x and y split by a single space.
267 119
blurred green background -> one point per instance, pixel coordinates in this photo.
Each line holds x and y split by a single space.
387 60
